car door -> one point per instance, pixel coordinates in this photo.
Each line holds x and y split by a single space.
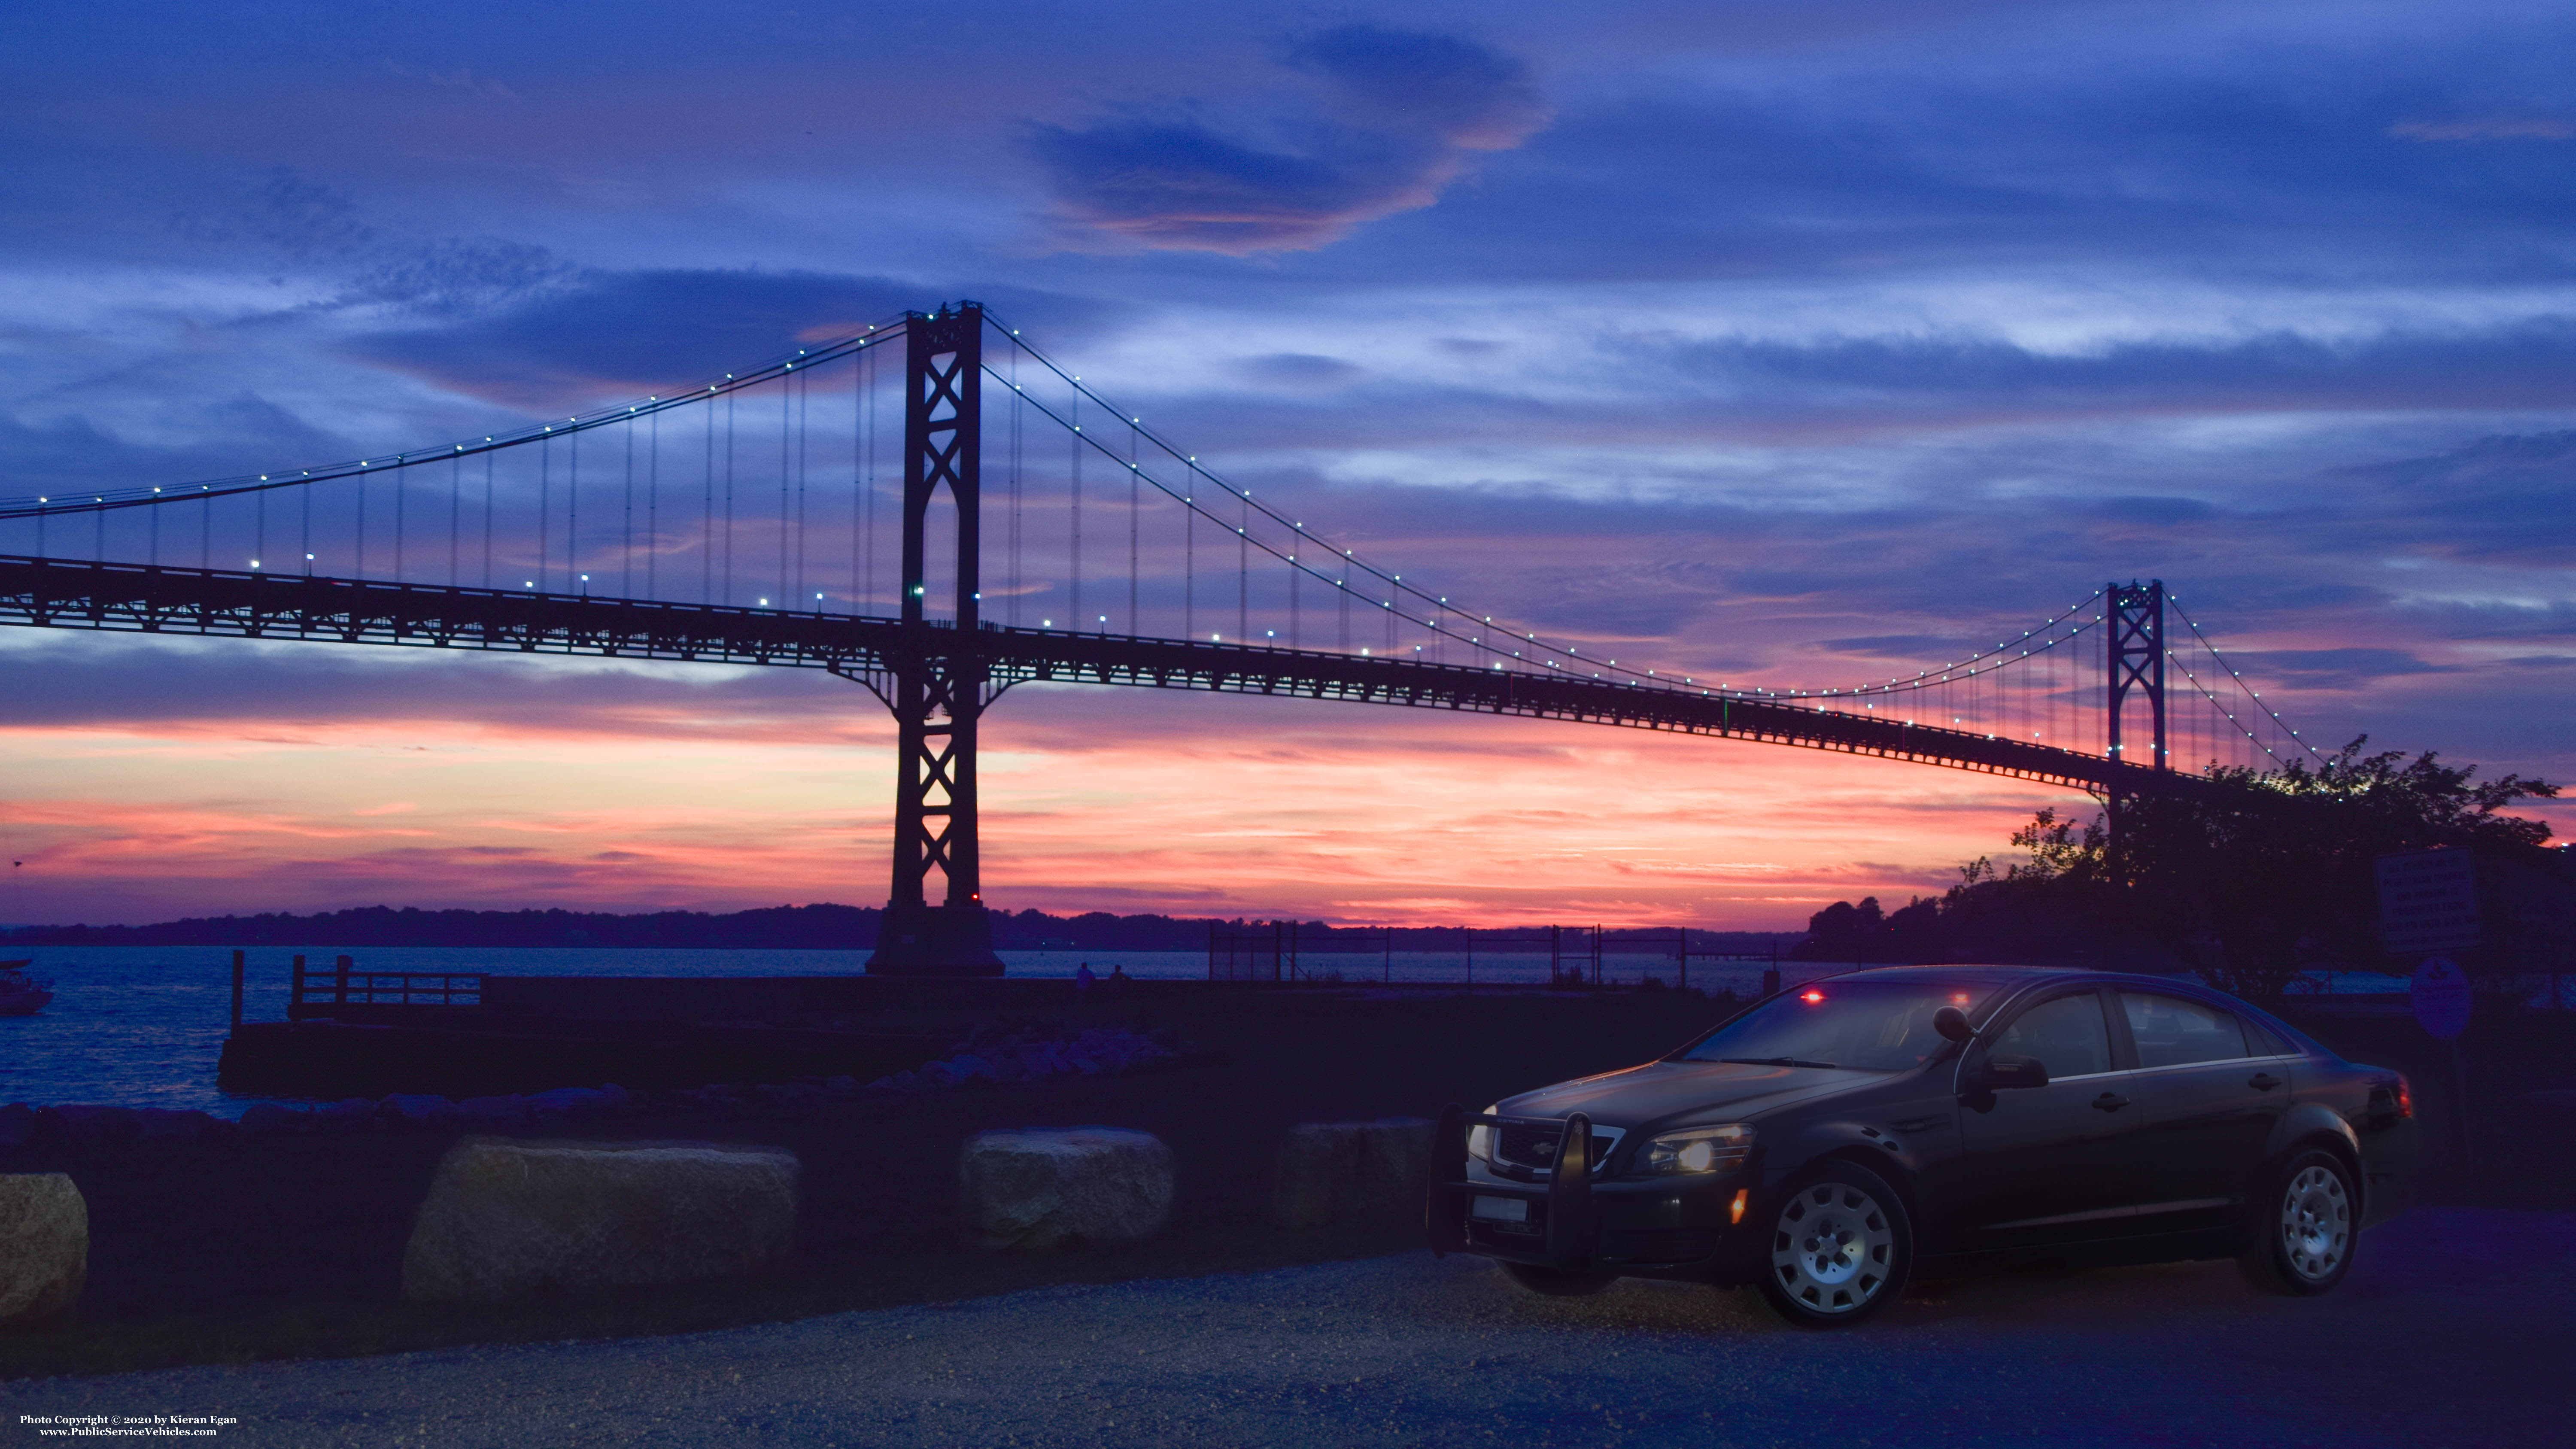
2045 1165
2212 1094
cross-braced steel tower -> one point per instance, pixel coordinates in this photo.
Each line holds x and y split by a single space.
939 681
2137 650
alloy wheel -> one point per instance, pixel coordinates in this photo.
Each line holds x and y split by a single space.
2316 1223
1833 1248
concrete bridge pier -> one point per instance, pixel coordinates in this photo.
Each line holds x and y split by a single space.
922 940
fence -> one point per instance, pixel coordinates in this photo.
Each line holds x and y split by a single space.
321 993
1284 952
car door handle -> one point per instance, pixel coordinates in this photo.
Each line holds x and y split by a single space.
2263 1081
2109 1102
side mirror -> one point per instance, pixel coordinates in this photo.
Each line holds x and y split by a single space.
1952 1023
2003 1073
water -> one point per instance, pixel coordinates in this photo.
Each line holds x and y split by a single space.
145 1025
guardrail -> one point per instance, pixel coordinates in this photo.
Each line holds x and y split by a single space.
322 993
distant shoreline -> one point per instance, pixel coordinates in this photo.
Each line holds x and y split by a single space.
821 926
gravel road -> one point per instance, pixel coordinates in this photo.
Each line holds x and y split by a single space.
2454 1330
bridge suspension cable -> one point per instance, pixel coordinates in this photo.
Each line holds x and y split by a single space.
2045 686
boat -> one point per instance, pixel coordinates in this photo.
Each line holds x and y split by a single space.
21 994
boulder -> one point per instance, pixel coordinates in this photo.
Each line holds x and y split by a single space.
81 1121
268 1119
1353 1172
497 1109
505 1219
44 1247
1039 1187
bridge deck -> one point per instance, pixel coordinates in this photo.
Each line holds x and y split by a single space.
141 598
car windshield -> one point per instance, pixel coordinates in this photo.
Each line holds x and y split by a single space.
1851 1023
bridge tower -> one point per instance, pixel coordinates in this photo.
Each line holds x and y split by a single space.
938 681
2137 649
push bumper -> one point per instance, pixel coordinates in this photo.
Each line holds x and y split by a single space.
1651 1227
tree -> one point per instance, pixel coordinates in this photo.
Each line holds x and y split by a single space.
2251 886
2257 884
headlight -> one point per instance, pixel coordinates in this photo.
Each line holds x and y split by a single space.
1699 1149
1480 1138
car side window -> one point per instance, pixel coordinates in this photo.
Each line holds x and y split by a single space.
2068 1036
2171 1031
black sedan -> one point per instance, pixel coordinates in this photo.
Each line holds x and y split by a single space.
1830 1142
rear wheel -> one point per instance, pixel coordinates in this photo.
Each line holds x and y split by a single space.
2305 1228
1841 1247
1557 1282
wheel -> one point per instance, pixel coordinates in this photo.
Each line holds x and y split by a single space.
2305 1229
1557 1282
1841 1247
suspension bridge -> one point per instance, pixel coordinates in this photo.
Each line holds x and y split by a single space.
739 522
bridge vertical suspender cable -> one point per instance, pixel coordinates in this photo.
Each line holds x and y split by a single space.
1019 418
1074 513
1135 504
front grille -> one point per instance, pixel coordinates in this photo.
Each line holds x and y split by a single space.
1532 1145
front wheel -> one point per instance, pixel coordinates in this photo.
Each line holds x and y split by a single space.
1556 1282
1841 1247
2306 1228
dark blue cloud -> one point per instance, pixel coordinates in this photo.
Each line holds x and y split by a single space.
618 333
1397 114
2498 501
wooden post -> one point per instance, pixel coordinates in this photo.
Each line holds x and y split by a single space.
295 993
1471 955
237 990
1386 971
340 994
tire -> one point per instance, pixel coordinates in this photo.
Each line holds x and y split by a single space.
2305 1227
1841 1248
1557 1282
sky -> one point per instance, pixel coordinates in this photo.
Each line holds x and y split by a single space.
1796 344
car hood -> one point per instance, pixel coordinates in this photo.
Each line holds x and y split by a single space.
1709 1091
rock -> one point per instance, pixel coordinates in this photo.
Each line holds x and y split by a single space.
345 1115
44 1247
1038 1187
505 1219
1344 1172
167 1122
416 1106
267 1119
495 1109
96 1124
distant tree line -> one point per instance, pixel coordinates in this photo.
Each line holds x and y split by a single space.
810 927
2250 889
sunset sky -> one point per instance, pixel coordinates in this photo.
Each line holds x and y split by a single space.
1797 344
